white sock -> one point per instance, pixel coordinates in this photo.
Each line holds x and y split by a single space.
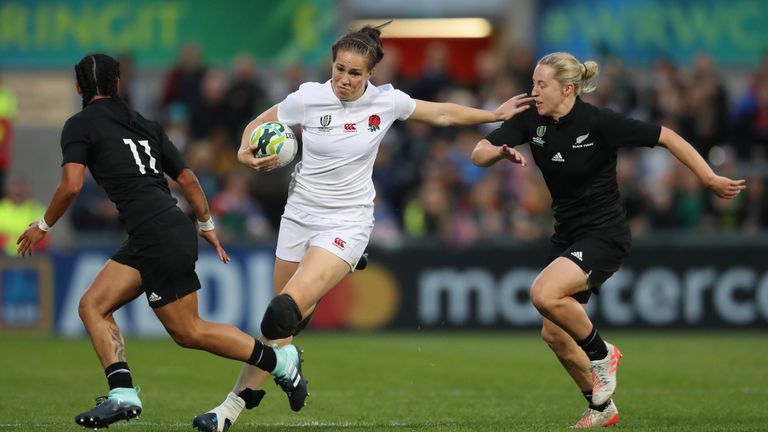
229 409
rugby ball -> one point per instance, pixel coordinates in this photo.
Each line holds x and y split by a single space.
274 138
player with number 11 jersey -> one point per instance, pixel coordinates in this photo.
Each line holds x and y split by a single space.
130 160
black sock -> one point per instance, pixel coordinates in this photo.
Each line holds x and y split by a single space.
594 346
263 357
251 397
588 396
118 375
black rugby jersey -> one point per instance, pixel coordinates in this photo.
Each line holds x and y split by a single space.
577 156
127 155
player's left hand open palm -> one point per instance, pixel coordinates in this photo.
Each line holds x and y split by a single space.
725 187
512 155
210 237
29 238
513 106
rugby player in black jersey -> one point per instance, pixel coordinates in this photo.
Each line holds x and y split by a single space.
574 144
129 156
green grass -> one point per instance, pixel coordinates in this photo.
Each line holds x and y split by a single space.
427 381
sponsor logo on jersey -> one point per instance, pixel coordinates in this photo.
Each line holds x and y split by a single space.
558 157
339 243
350 127
154 297
324 122
538 140
580 140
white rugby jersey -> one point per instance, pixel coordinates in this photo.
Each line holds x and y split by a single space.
340 142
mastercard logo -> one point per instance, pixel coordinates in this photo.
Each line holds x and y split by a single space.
364 300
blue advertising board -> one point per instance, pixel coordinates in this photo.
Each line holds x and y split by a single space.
716 285
236 293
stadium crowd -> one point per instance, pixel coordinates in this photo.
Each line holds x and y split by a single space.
427 187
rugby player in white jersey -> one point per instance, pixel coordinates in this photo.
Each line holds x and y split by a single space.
329 214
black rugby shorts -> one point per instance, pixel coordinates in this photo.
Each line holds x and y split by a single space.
164 250
600 257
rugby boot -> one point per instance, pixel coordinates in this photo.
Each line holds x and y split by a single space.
121 404
604 375
593 418
221 418
288 375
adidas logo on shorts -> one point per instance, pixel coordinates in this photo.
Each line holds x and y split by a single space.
154 297
577 254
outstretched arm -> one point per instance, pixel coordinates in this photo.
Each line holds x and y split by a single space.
451 114
486 154
245 153
71 182
685 153
195 196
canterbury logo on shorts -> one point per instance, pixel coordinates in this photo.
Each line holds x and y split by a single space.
341 244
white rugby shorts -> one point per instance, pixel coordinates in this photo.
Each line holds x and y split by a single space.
298 231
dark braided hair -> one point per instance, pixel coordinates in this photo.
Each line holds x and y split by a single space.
97 74
366 41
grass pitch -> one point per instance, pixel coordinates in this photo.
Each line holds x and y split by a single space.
426 381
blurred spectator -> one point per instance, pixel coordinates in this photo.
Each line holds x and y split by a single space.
489 72
291 78
224 158
661 212
519 66
689 199
616 90
435 77
211 113
486 207
750 132
748 100
200 159
238 216
176 125
469 173
7 113
386 231
428 215
632 194
387 71
530 208
494 94
244 97
756 208
17 210
183 83
704 122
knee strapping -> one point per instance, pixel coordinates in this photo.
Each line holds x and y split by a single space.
303 324
281 318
